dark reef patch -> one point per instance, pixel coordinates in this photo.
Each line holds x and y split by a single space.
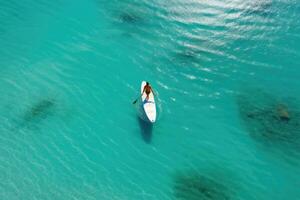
194 186
38 111
130 18
190 51
34 114
270 120
187 55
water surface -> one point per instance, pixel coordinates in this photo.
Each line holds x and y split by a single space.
69 71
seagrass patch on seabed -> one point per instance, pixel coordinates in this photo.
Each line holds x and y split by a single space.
270 120
195 186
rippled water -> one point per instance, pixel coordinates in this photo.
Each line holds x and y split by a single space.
227 78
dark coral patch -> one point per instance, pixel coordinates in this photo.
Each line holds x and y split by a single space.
130 18
187 55
269 119
39 110
193 186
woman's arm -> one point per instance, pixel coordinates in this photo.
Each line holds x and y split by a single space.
143 91
152 91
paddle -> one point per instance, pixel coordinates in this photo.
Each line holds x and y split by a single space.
135 101
137 98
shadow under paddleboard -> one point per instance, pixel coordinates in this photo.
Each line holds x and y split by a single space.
146 130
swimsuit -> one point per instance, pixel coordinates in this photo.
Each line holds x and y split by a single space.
147 91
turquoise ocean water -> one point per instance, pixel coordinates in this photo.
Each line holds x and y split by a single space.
226 74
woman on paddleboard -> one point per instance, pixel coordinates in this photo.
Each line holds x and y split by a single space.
147 90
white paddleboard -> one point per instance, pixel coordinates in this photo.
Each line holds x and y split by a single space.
148 105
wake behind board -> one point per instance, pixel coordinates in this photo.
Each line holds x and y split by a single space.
148 105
